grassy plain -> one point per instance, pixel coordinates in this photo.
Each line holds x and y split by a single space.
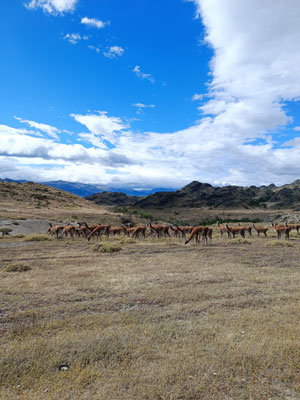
156 320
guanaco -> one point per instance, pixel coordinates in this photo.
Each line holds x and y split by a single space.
139 230
248 229
127 231
223 229
55 230
260 230
115 230
99 230
184 230
176 231
69 230
294 226
236 230
159 230
197 232
279 229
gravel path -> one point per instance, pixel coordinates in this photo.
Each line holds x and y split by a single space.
26 227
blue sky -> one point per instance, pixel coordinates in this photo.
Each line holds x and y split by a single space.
150 93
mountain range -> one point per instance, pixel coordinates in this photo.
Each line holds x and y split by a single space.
197 194
85 189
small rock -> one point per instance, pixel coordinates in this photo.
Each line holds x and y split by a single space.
64 367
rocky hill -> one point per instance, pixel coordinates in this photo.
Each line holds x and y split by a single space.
198 194
113 199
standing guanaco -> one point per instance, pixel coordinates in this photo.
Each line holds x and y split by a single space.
279 229
260 230
236 230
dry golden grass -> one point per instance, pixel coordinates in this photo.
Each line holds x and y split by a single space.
36 237
157 320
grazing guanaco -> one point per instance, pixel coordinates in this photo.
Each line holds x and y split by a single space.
55 230
260 230
82 231
236 230
139 230
69 230
279 229
223 229
197 233
99 230
294 226
184 230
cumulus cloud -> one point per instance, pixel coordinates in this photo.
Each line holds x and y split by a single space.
53 6
72 37
93 22
142 75
114 52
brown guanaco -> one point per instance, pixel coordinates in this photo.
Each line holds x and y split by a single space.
99 230
294 226
159 230
279 229
55 230
184 230
197 233
139 230
236 230
223 229
260 230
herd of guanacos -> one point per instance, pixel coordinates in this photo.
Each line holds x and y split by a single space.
199 233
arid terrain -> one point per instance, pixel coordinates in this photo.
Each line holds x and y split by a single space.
156 319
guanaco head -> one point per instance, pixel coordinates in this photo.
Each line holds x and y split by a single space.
253 226
50 224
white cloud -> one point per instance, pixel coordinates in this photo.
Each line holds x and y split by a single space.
254 69
50 130
108 128
93 22
142 75
72 37
114 52
96 49
197 96
53 6
297 128
140 107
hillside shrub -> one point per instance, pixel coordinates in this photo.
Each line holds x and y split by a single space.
36 237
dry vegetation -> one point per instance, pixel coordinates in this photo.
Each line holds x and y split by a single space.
156 320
